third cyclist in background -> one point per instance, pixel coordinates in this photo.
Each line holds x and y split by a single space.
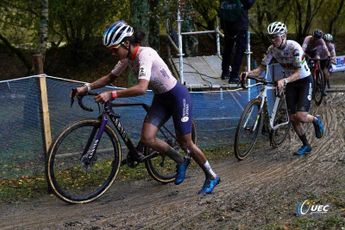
315 47
297 80
331 48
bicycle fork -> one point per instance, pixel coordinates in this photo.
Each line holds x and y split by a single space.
88 155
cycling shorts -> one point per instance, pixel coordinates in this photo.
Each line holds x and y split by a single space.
299 95
175 103
325 63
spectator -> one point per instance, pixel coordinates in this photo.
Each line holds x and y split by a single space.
233 16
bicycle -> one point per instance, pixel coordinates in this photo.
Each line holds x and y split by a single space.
85 158
255 117
319 81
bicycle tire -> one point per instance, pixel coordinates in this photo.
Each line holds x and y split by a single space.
319 87
279 135
161 168
250 118
74 181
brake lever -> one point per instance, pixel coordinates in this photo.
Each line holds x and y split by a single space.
73 94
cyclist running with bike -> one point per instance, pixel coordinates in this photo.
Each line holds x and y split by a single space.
331 48
170 98
297 81
315 47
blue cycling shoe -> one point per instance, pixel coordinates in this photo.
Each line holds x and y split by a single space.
303 150
209 185
181 171
319 127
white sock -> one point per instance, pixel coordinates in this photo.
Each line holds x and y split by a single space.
209 170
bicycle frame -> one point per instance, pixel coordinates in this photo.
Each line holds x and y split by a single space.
263 98
104 117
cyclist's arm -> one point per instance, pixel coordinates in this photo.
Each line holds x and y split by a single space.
325 48
103 81
305 43
295 76
257 71
136 90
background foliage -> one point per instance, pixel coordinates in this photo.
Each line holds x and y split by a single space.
75 26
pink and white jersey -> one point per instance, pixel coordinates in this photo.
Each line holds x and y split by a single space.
315 47
148 65
331 48
291 57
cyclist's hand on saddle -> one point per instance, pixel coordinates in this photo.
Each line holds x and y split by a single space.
281 85
104 97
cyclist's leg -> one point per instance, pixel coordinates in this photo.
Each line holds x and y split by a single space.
324 67
295 105
157 115
182 116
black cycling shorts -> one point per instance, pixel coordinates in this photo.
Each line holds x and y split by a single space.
299 95
325 63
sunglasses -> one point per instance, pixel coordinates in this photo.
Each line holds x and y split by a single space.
115 47
272 36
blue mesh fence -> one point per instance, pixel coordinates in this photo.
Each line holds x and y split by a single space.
215 113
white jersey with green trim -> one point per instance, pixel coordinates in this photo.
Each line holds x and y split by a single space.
290 57
148 65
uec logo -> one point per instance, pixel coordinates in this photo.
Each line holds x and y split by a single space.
309 206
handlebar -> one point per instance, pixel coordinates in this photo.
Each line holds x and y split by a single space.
80 99
89 109
257 79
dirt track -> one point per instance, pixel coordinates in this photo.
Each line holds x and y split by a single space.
259 192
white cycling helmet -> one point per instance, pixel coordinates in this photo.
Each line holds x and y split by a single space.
115 33
276 28
328 37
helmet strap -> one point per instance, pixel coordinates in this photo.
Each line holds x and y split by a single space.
127 48
283 44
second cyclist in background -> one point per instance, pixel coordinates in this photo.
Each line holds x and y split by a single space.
297 80
331 48
315 47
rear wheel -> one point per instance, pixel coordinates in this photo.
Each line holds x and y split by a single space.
74 174
247 129
280 134
160 167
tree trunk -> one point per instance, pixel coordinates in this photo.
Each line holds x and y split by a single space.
43 31
140 12
335 17
154 25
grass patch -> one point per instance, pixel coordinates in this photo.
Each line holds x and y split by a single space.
35 186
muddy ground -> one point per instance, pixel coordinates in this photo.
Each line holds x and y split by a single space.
260 192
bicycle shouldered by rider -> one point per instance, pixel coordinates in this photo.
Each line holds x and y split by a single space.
297 82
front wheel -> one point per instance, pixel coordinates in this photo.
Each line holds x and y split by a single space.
319 87
74 174
160 167
247 129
